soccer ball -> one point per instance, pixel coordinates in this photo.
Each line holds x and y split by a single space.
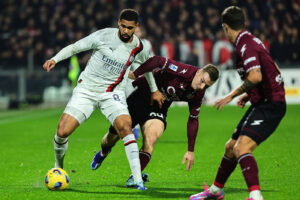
57 179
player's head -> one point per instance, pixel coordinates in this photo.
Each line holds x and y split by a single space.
128 21
233 21
205 77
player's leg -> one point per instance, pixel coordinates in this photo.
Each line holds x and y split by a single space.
113 106
108 141
122 124
66 125
78 110
152 130
260 124
226 167
243 151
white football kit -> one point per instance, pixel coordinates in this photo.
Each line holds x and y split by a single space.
129 88
102 84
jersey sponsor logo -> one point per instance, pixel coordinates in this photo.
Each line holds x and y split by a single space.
243 49
154 114
248 60
173 67
112 65
183 71
171 90
279 79
256 122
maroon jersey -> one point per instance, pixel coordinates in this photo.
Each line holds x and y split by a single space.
251 53
174 80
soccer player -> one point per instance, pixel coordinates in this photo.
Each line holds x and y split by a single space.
178 82
263 87
102 86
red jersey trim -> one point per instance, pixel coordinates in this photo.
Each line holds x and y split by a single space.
130 60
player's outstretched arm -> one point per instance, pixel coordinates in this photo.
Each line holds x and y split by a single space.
49 64
254 77
189 157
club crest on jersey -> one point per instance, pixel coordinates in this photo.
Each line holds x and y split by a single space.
173 67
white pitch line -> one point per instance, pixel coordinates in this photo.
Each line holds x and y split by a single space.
24 117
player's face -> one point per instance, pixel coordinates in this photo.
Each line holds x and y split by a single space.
126 30
201 81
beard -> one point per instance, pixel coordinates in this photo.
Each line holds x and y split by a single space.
125 37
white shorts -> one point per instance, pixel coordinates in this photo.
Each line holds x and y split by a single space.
84 102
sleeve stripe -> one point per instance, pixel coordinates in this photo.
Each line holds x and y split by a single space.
253 67
165 63
249 60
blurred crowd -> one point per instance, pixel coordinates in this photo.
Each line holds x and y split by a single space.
37 29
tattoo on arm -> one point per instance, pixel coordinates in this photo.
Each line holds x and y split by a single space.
246 86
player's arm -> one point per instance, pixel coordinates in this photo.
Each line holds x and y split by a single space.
254 77
252 66
84 44
192 130
150 65
146 69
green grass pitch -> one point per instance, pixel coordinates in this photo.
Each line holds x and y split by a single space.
26 154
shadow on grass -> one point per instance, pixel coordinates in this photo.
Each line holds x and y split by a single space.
153 192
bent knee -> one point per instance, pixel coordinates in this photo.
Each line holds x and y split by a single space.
239 150
229 149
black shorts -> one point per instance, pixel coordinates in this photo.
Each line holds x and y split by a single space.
141 111
260 121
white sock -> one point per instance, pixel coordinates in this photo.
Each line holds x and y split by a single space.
132 152
214 189
60 148
256 195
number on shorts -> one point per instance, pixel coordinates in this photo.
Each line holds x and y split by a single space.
116 97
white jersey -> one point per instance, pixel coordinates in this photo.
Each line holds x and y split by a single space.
129 88
109 65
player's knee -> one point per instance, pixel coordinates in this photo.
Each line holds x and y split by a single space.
124 129
229 149
238 150
62 130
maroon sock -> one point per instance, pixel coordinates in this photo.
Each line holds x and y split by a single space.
250 171
226 167
144 159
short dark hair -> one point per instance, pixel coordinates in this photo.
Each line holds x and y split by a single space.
212 71
234 17
129 14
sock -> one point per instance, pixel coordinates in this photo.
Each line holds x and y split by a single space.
250 171
226 167
132 152
144 159
60 148
256 195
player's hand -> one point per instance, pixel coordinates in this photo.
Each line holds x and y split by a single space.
158 97
189 157
49 64
131 75
241 102
219 104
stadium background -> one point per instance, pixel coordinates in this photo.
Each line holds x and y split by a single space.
32 31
